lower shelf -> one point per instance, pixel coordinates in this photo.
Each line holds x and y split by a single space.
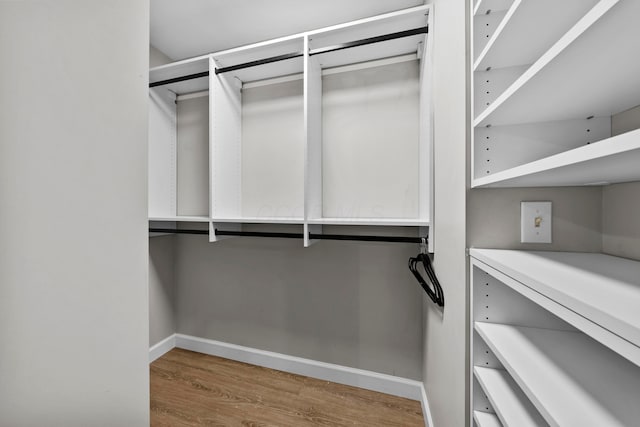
511 405
485 419
570 378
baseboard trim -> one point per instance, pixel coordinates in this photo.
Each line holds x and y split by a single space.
426 410
158 350
369 380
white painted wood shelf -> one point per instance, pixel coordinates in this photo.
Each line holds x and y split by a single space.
568 82
400 222
570 378
180 219
602 290
260 220
510 403
179 69
484 7
485 419
609 161
512 43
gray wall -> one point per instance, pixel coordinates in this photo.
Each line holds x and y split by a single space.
162 323
354 304
73 252
621 220
621 202
494 218
444 331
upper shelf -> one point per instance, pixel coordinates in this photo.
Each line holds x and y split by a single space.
483 7
571 379
518 40
180 218
180 69
613 160
584 74
287 46
603 289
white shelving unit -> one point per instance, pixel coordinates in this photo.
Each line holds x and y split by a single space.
558 331
598 294
485 419
570 379
368 114
561 102
178 189
327 127
511 405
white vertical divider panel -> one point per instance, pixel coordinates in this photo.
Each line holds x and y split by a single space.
226 145
425 197
313 143
222 226
162 153
212 73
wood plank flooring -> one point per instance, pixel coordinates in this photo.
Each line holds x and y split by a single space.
193 389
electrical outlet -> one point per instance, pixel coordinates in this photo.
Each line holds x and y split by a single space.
535 222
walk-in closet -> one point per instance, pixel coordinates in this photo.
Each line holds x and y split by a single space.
301 213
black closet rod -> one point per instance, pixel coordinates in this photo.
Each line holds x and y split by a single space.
313 236
370 40
319 51
259 62
179 79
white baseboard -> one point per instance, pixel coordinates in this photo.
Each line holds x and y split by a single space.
426 410
159 349
397 386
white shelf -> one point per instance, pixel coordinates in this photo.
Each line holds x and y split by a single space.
613 160
509 402
402 222
180 218
180 69
259 51
491 6
571 379
603 290
568 81
512 43
260 220
485 419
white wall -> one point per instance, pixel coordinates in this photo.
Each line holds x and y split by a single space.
444 340
73 252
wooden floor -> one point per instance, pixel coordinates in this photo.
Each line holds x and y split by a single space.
193 389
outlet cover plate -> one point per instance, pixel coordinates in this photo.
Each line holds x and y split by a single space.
535 222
